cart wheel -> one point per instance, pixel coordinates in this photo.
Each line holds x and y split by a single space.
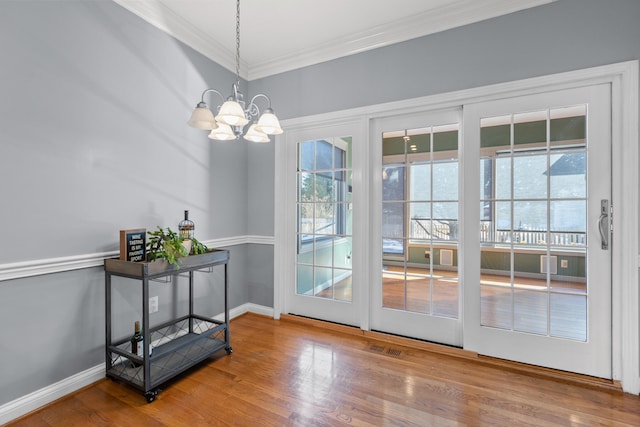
229 350
151 395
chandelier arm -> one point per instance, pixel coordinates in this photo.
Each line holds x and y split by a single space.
211 90
263 96
253 108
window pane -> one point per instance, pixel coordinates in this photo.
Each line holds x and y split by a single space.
324 188
304 280
568 175
393 183
419 223
445 219
503 178
503 218
392 145
305 218
445 181
530 216
569 316
419 142
569 125
324 155
418 293
306 160
305 187
393 219
530 177
530 130
495 134
569 216
530 312
445 297
342 252
495 307
323 253
393 289
342 284
338 158
324 218
420 182
392 246
486 179
323 280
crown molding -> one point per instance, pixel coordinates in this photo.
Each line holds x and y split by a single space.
163 18
455 14
444 18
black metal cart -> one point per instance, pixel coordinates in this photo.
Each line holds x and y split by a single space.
178 344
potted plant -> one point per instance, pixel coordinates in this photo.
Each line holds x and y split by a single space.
167 245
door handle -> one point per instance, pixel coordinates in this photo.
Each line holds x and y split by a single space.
603 224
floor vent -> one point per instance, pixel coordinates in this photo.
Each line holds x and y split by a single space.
394 352
376 348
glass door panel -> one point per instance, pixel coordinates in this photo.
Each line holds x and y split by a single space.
419 286
542 174
324 219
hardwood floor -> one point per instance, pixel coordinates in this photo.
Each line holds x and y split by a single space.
295 372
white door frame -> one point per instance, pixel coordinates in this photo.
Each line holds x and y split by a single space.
625 140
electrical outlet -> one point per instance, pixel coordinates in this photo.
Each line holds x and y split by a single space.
153 304
427 254
564 263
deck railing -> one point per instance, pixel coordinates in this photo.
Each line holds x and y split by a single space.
447 230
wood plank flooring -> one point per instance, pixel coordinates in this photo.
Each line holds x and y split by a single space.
297 373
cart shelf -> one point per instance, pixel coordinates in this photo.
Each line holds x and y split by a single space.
176 345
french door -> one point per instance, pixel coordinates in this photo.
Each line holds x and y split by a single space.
537 257
416 200
484 227
321 192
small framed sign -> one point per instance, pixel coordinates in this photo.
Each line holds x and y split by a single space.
133 244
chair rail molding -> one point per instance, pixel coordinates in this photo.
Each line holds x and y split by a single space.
22 269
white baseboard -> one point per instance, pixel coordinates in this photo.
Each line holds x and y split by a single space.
32 401
39 398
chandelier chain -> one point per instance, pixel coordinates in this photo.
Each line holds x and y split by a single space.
238 44
234 113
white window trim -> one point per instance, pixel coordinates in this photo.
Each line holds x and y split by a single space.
623 78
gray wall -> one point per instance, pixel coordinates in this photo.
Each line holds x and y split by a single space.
561 36
93 103
93 138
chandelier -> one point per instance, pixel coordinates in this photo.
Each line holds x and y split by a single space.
234 114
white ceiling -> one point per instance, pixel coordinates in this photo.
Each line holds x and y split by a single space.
282 35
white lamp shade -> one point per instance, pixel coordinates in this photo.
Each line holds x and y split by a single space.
202 118
232 114
269 124
254 135
222 133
